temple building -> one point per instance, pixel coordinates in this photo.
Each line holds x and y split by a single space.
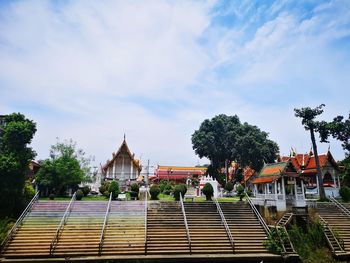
123 167
178 174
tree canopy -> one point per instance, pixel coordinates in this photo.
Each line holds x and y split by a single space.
226 138
16 134
66 168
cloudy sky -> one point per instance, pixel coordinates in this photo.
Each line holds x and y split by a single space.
154 70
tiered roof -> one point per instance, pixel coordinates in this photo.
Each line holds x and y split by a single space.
272 171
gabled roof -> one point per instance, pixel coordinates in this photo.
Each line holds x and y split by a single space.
272 171
123 147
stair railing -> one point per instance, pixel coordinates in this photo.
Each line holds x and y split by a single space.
146 208
280 225
186 225
18 223
256 212
326 226
102 237
62 223
339 205
224 222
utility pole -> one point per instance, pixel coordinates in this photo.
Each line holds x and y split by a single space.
147 174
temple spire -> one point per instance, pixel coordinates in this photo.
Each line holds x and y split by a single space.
124 136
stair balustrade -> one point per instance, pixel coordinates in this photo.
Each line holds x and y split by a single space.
100 244
18 223
339 205
330 235
256 212
62 223
186 225
146 208
223 221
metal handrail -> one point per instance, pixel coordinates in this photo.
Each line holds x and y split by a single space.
325 224
102 237
256 212
223 220
62 223
19 222
339 205
146 208
186 224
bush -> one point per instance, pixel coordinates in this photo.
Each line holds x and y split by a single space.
135 187
114 189
229 186
240 191
180 189
208 191
29 191
79 195
86 190
104 187
51 196
106 194
154 191
344 192
5 226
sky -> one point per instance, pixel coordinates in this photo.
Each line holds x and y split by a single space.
93 71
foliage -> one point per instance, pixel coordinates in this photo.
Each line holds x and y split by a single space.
5 226
346 173
307 240
106 193
273 242
135 187
229 186
29 191
66 168
240 191
15 135
51 196
104 187
344 192
86 190
79 195
225 138
208 191
154 191
114 189
180 189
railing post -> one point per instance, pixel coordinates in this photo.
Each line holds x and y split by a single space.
100 244
13 230
62 223
186 225
224 222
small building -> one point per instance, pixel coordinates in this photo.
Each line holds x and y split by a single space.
177 174
123 167
279 185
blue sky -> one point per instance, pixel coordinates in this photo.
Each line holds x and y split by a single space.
94 70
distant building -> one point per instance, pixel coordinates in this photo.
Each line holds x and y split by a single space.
178 174
123 167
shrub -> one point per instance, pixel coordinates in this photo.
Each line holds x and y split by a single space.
114 189
180 189
208 191
51 196
79 194
344 192
104 187
154 191
229 186
86 190
240 191
273 242
106 194
29 191
5 226
135 187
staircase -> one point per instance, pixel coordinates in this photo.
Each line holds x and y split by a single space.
166 232
80 236
208 235
247 232
337 228
125 230
38 228
285 219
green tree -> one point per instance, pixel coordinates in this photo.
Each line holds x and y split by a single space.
66 168
225 139
16 134
308 116
229 186
114 189
208 191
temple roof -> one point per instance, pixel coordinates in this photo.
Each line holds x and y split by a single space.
123 148
272 171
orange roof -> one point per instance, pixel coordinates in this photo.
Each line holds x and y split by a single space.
273 169
269 179
247 173
182 168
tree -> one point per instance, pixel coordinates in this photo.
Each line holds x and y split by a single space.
114 189
225 139
229 186
308 116
66 168
208 191
16 134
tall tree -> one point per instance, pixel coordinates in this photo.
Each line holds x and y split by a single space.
66 168
308 116
224 138
16 134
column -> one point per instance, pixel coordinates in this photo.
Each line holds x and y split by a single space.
275 186
334 181
283 189
318 190
132 170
